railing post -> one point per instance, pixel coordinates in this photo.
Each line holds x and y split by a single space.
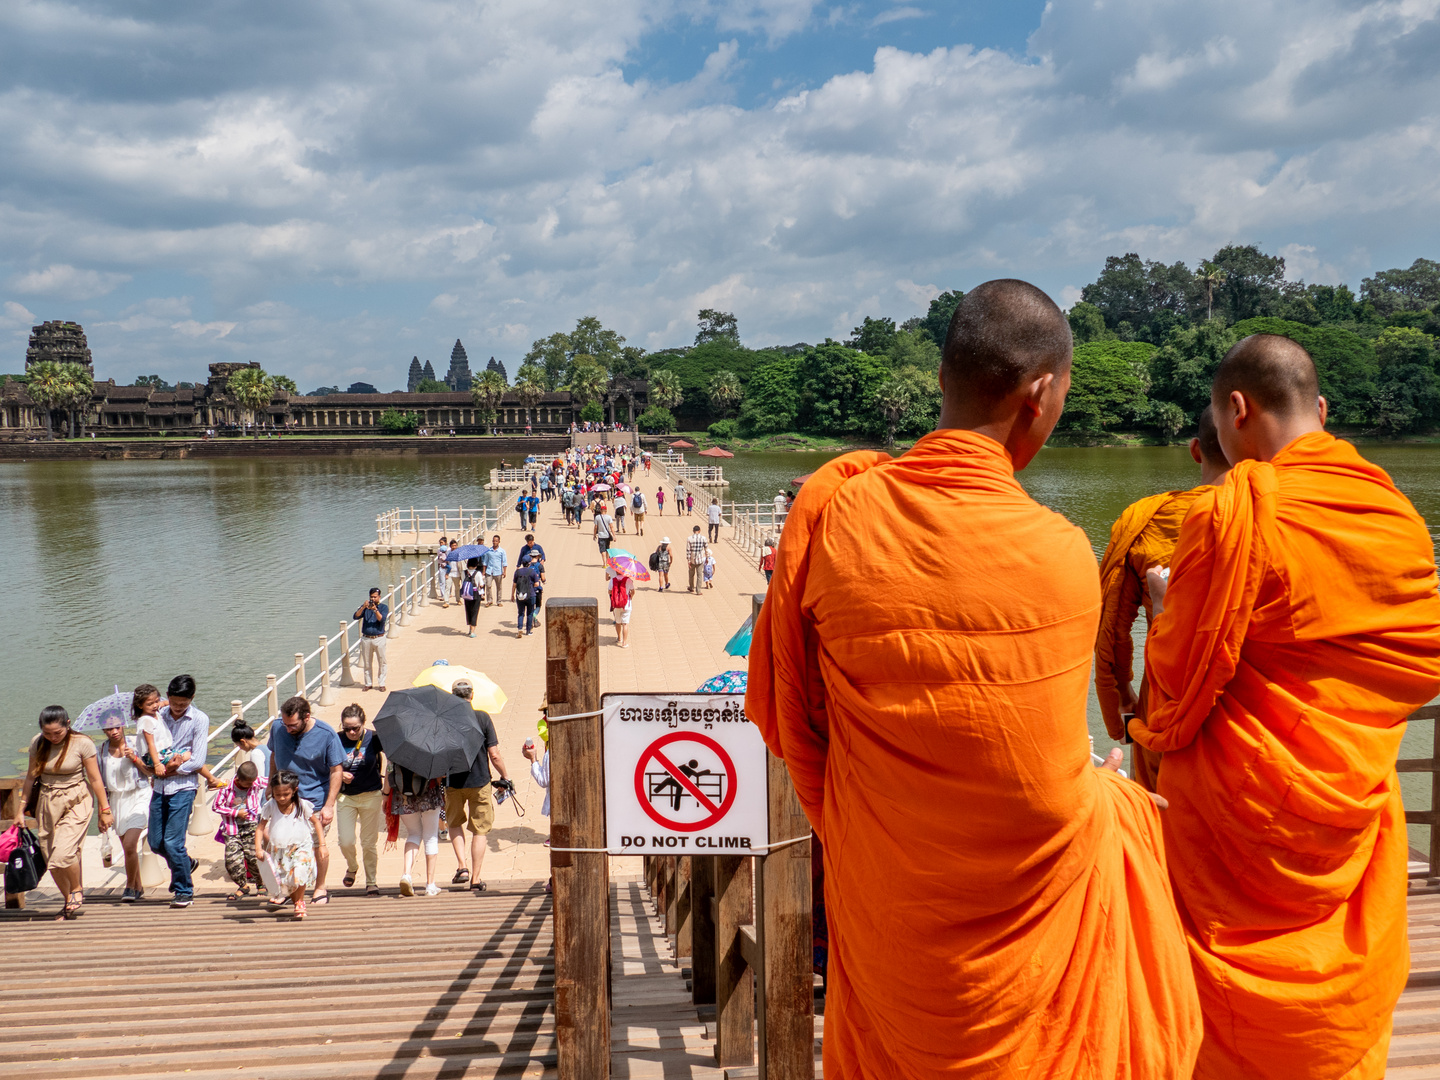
734 981
272 698
300 679
684 914
347 676
1434 875
581 879
415 522
434 580
392 624
412 586
702 939
327 693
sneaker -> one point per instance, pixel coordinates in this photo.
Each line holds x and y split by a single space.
432 889
406 888
181 902
194 864
129 896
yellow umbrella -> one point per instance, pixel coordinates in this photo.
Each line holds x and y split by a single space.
488 697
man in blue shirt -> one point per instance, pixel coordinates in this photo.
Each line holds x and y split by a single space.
494 561
174 793
313 752
532 508
373 616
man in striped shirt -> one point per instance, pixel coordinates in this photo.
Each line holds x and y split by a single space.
695 558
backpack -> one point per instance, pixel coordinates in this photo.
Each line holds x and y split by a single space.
619 593
655 559
638 502
467 587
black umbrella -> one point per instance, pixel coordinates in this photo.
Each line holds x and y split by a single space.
429 732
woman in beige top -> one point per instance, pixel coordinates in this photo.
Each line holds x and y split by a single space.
64 764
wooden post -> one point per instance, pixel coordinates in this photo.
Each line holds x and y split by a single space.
671 869
582 879
734 982
702 934
347 676
684 915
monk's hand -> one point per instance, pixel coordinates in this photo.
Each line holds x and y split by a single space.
1128 701
1157 582
1112 763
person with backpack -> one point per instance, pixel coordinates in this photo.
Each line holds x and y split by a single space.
472 590
660 565
637 506
619 513
622 598
524 590
604 528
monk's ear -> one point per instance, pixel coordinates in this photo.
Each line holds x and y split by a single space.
1195 452
1324 410
1037 394
1240 410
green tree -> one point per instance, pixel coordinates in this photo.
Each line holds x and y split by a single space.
1107 387
717 326
487 392
1253 281
656 419
1183 369
252 390
431 386
552 356
284 382
1399 346
530 388
592 412
588 381
665 389
155 382
837 385
1087 323
1399 290
873 336
725 392
79 389
1141 297
395 422
771 397
936 322
1210 278
893 399
913 348
47 389
590 338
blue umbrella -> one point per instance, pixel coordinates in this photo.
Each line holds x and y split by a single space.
739 645
727 682
469 551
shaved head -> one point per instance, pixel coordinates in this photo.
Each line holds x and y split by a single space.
1003 334
1209 438
1273 372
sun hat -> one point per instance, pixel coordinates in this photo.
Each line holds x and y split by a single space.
664 540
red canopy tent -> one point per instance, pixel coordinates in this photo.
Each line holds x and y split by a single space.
715 451
682 444
801 479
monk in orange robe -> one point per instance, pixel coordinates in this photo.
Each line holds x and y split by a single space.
1142 538
1299 628
997 906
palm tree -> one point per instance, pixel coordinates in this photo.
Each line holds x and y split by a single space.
725 391
893 399
253 390
588 381
47 389
487 392
665 389
530 387
1211 277
79 389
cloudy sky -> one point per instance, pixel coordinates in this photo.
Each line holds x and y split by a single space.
331 187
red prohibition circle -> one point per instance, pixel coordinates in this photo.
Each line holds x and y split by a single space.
653 751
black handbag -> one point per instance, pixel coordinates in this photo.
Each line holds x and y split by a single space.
26 864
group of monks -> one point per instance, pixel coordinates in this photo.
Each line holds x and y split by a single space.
999 907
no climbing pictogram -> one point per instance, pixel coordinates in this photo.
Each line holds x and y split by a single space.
685 781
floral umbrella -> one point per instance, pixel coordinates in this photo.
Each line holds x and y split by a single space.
624 564
110 711
727 682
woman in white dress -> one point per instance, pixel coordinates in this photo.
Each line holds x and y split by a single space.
127 782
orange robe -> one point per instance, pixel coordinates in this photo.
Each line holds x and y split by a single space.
997 906
1301 627
1144 536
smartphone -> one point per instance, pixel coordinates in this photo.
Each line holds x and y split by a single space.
1125 719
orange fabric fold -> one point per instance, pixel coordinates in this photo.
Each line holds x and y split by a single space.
1301 627
997 907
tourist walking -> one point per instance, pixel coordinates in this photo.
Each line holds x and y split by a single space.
288 824
61 779
455 571
441 575
173 795
311 751
709 569
767 558
524 588
248 743
712 515
637 507
416 802
127 787
782 507
694 558
494 561
469 802
663 557
622 599
533 552
361 805
373 615
679 496
660 501
471 590
238 806
619 513
532 507
604 528
689 502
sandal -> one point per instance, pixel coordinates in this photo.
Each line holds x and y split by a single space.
70 911
372 890
299 909
348 879
321 898
240 893
479 886
461 876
